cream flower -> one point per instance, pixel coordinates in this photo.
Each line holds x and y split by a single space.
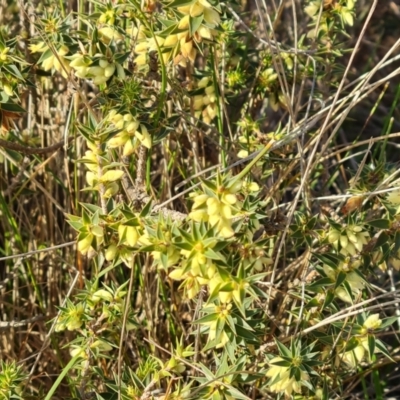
373 322
355 356
354 280
224 339
57 61
394 197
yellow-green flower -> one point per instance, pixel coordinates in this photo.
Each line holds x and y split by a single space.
222 311
394 197
132 133
144 136
109 34
212 333
355 356
40 47
354 280
128 235
281 380
198 7
56 61
256 256
101 345
85 244
111 252
372 323
73 317
351 239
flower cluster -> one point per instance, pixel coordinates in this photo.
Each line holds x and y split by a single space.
205 104
122 245
109 179
221 313
5 79
53 59
180 43
146 45
70 318
344 9
353 357
351 240
90 237
353 279
249 142
255 256
12 377
219 205
166 254
197 270
282 381
99 69
131 135
217 208
109 34
394 197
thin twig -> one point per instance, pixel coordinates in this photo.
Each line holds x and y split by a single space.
33 150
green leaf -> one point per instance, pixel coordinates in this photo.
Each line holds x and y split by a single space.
207 318
309 240
166 22
352 344
184 246
148 249
283 350
246 334
194 23
13 70
230 322
61 376
187 236
208 184
320 283
210 345
210 253
12 107
332 260
387 322
236 394
92 208
330 296
311 223
282 363
340 279
76 225
382 348
382 239
379 223
146 209
45 55
120 58
220 245
325 339
325 390
371 346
